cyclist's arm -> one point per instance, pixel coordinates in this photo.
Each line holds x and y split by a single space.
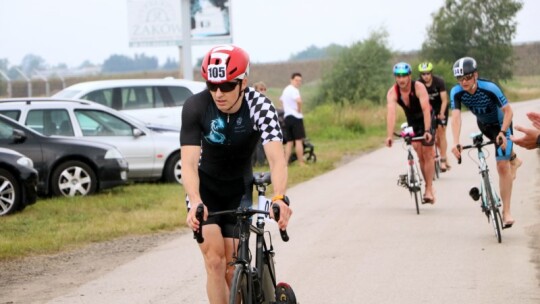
456 125
391 102
190 173
278 174
421 93
508 114
444 103
278 166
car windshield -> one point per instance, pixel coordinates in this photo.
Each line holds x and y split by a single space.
98 123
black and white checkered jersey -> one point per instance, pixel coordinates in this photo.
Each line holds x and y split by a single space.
228 140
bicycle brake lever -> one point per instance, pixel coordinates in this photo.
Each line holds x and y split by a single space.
199 216
283 233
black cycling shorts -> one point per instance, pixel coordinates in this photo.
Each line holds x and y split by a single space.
219 195
294 128
491 131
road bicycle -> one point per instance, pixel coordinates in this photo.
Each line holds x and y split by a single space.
412 180
254 281
491 201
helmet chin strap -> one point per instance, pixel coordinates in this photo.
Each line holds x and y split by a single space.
239 94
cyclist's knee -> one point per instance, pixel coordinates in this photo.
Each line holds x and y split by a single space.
215 263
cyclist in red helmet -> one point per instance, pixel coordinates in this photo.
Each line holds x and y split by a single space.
220 130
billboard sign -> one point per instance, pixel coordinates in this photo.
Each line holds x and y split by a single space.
159 22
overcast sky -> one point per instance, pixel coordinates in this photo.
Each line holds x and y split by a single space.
72 31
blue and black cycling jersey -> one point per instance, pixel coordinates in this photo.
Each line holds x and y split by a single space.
486 103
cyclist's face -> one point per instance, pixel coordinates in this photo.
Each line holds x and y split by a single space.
403 80
468 82
226 99
426 77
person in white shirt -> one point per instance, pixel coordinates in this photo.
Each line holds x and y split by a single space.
294 119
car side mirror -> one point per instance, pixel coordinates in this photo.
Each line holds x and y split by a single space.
137 132
18 136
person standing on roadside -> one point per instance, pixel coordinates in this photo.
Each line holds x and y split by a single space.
493 113
294 119
438 98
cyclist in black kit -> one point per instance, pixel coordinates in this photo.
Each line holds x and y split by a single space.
220 129
494 118
438 98
412 96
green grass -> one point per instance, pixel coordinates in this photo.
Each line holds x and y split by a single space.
58 224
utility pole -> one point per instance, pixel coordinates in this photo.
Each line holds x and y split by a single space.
186 66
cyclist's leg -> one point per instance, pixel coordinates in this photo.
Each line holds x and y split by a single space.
215 261
503 168
426 156
442 143
515 162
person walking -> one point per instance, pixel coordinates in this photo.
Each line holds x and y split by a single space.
294 119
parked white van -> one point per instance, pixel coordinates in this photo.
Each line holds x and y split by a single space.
154 101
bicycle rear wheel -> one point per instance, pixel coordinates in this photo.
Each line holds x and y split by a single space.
239 288
494 214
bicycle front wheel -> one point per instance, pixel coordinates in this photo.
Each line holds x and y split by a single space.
494 214
437 168
415 188
239 287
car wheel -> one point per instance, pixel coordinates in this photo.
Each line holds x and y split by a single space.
10 193
172 173
73 178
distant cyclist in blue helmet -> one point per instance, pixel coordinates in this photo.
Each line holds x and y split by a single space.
413 98
494 118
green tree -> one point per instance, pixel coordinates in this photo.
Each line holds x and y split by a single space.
482 29
359 73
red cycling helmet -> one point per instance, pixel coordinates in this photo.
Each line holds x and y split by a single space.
225 63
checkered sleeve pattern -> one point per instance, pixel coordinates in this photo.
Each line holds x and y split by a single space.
264 114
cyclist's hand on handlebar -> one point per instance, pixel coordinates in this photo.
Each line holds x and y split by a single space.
388 142
284 214
428 137
456 150
191 219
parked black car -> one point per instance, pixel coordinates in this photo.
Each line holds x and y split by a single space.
18 181
66 166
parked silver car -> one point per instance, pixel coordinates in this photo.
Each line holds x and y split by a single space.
157 101
152 153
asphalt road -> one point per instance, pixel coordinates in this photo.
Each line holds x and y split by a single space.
356 238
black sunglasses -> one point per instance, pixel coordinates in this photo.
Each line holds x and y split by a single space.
465 77
223 87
